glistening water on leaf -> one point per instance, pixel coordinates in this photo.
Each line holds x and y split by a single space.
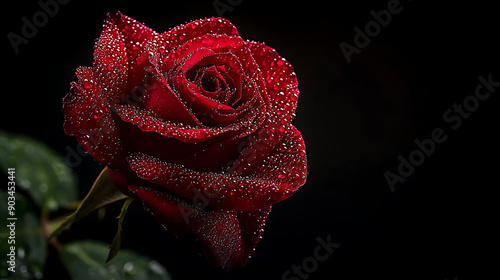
30 246
86 260
103 192
39 170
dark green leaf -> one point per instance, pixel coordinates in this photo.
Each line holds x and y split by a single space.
116 244
30 245
86 260
103 192
39 170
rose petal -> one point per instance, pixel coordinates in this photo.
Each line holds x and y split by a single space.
282 89
233 69
252 227
93 127
165 102
212 154
215 158
228 238
110 60
277 178
250 96
218 44
148 121
167 42
135 34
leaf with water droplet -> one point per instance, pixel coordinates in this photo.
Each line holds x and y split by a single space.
30 247
39 170
86 260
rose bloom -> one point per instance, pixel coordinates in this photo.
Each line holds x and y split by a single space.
195 123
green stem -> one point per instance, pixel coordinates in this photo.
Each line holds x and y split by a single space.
46 227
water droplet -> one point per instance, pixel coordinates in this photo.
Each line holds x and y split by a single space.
156 267
112 268
86 84
24 270
128 267
20 253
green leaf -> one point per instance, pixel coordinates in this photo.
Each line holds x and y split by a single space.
86 260
116 244
39 170
103 192
30 245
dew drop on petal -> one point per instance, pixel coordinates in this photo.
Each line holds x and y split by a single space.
98 114
86 84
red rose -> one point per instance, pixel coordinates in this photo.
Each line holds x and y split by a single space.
194 122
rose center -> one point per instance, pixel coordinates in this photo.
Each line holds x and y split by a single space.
210 84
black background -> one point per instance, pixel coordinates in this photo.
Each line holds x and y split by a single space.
356 119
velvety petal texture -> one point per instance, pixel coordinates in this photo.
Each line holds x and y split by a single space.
227 237
195 123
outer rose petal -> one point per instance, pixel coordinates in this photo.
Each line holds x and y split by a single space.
277 178
135 34
282 89
175 37
228 238
136 39
87 106
110 60
87 118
